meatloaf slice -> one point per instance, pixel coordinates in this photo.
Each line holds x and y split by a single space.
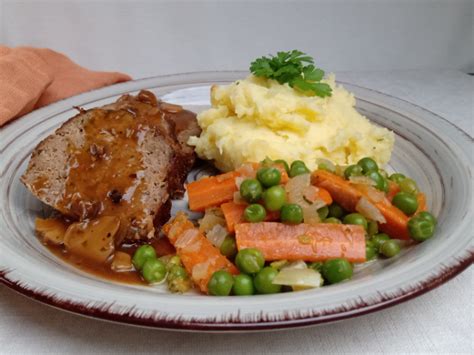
123 159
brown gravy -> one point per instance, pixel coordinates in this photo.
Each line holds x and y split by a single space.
100 270
104 270
105 175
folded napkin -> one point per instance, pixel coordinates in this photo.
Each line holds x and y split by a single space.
34 77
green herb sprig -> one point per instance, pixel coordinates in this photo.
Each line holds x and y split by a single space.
295 68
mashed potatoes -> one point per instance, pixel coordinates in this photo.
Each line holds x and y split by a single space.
256 118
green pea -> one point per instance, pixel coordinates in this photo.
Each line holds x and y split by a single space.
420 228
254 213
229 247
316 265
154 271
333 220
274 198
269 176
405 202
221 283
263 281
367 165
355 218
176 272
337 270
298 167
379 239
141 255
397 177
370 251
251 190
335 210
427 216
175 260
291 213
284 163
409 186
323 212
178 280
243 285
383 173
380 183
372 228
249 260
353 170
390 248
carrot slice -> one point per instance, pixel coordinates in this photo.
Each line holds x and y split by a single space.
347 196
211 191
200 258
396 225
421 198
393 189
278 241
324 195
339 189
234 214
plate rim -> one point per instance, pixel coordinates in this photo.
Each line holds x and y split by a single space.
461 262
361 308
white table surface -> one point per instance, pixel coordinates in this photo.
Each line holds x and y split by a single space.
440 321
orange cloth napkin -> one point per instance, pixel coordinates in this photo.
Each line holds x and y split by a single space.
34 77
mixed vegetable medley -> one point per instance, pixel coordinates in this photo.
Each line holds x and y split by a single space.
272 227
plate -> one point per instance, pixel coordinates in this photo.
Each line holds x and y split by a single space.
428 148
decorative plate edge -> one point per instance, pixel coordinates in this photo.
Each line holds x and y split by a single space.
235 324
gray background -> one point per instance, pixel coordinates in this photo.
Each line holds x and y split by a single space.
145 38
415 50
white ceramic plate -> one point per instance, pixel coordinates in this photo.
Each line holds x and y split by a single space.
435 153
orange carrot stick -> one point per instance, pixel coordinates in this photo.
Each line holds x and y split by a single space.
324 195
421 198
396 225
211 191
339 189
200 258
234 214
319 242
393 189
347 196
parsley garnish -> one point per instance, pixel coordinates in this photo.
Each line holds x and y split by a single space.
295 68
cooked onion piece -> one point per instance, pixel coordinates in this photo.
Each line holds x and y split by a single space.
369 210
217 235
51 230
212 217
121 262
92 239
362 180
298 278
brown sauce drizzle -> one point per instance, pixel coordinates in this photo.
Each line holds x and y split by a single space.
104 270
105 174
100 270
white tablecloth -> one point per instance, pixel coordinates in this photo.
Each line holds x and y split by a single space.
440 321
